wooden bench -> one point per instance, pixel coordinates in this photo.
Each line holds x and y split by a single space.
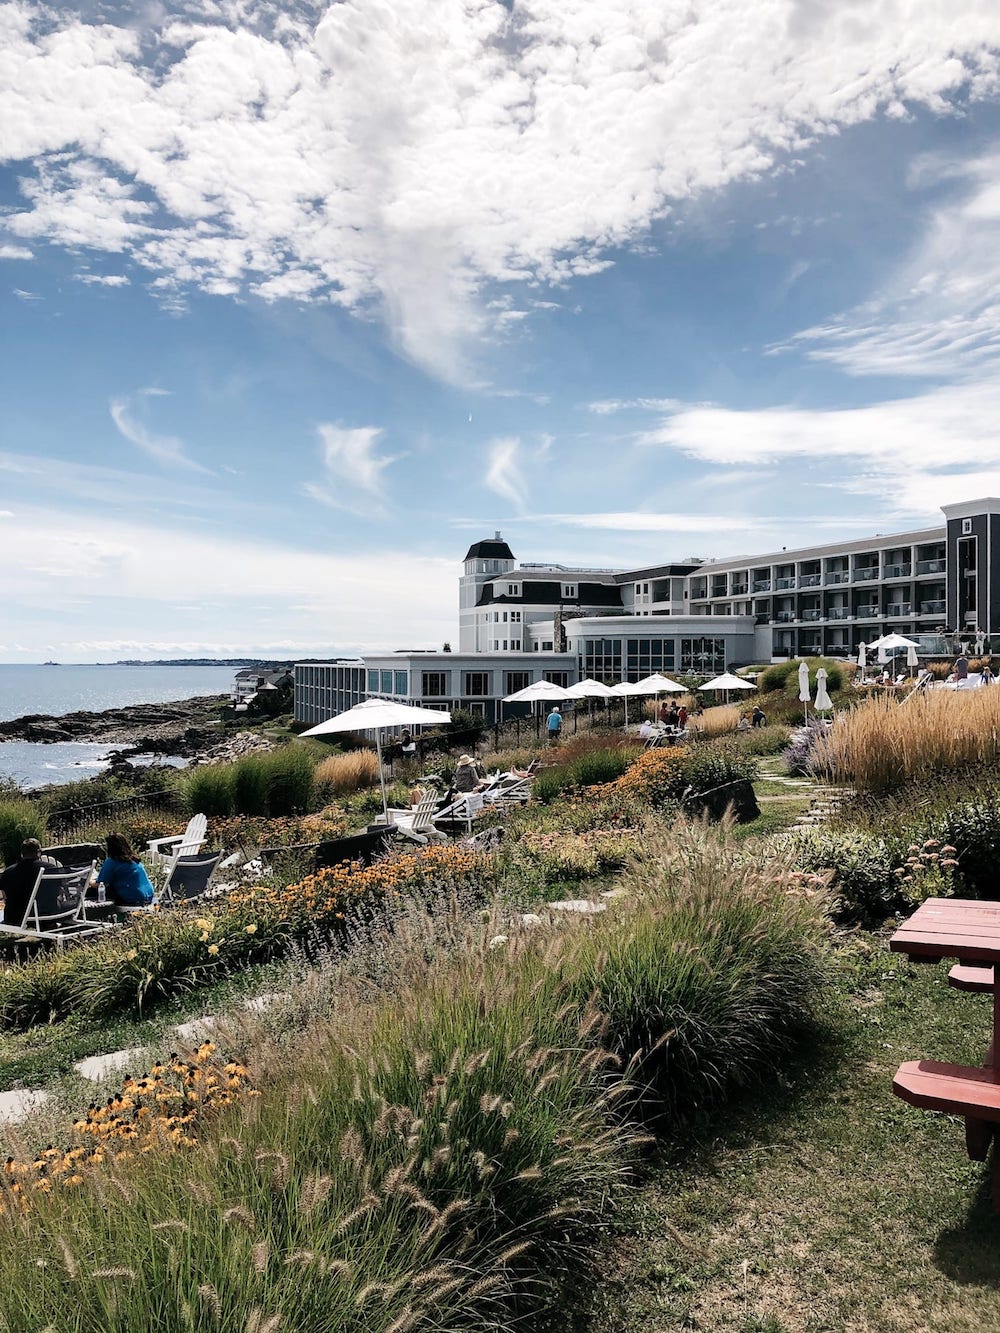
964 976
957 1090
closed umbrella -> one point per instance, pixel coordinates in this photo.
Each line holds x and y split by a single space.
862 656
804 689
823 701
911 657
380 715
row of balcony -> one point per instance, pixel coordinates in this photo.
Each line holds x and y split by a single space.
894 611
861 574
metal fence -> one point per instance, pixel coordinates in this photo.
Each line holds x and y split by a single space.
64 823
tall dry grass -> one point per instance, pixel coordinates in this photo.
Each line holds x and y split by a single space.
883 744
721 720
342 774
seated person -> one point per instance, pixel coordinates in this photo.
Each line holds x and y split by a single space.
18 881
124 876
407 744
744 722
647 729
758 718
467 775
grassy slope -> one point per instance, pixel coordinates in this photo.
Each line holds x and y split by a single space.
828 1204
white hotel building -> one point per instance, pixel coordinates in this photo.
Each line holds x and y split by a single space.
519 623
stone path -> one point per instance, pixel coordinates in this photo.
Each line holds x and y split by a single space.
18 1104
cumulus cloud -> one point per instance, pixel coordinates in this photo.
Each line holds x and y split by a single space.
353 469
504 474
103 279
15 252
415 159
165 449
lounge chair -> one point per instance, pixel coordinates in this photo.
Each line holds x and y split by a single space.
56 909
418 823
190 877
164 851
463 810
507 789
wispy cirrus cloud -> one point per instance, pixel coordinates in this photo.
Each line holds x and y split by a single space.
165 449
354 470
504 471
414 160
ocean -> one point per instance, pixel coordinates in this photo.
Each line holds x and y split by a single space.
54 690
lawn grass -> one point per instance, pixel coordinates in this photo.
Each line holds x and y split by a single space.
775 817
826 1203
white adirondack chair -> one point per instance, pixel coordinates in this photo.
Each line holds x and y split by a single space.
165 851
418 823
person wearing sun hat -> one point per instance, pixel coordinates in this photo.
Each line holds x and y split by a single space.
467 774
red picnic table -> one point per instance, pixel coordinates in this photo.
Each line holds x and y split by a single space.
968 930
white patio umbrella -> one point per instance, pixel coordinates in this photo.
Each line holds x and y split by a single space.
804 695
823 701
589 689
894 641
379 715
540 691
657 684
911 657
726 682
622 690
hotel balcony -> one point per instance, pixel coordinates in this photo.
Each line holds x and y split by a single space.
839 613
931 608
838 576
761 585
865 575
897 609
809 581
812 613
930 566
868 613
898 572
784 617
784 583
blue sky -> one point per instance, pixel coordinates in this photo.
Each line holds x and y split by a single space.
296 301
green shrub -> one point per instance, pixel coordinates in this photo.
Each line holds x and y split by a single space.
209 790
863 866
552 782
289 780
19 819
785 675
250 786
715 764
762 741
972 827
597 767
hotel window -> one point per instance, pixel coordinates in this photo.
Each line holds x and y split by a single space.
515 617
373 682
569 590
435 684
496 617
385 684
966 527
557 678
513 590
705 656
505 617
603 659
477 682
646 656
402 683
516 680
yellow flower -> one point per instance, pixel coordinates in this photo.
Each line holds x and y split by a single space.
202 924
204 936
213 948
251 930
132 953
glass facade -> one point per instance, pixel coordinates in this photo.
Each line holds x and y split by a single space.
324 689
603 659
706 657
646 656
435 684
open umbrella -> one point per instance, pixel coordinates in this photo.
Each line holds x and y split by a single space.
589 689
804 695
540 691
823 701
657 684
726 682
379 715
622 690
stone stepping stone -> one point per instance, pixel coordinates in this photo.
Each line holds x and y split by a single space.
582 906
259 1003
195 1031
98 1067
17 1105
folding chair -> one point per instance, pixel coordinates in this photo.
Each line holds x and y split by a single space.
56 908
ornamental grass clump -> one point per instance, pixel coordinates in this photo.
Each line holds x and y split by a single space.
883 744
342 774
442 1151
19 819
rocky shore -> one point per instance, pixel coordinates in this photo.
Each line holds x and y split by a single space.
189 728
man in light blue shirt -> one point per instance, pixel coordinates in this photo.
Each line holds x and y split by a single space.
553 724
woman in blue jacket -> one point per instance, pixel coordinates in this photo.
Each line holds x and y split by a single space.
124 876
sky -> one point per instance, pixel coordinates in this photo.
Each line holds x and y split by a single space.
297 300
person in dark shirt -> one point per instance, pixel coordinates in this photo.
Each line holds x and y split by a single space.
18 881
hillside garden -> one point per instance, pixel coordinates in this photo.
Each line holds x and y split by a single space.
465 1108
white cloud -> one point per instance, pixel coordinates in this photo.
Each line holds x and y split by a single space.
353 468
504 474
609 406
6 513
22 295
103 279
164 448
403 158
15 252
914 453
135 575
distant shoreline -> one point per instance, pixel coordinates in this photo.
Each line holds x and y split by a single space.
183 727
